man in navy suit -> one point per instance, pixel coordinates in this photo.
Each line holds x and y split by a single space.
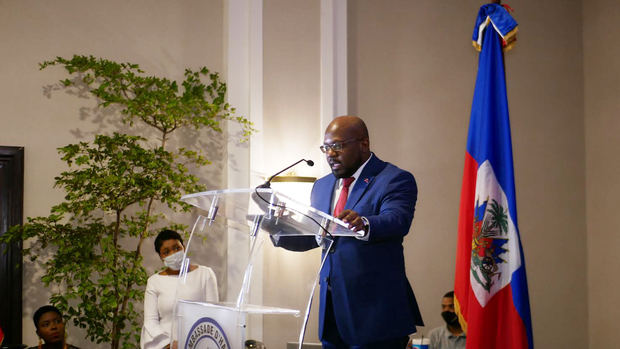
365 298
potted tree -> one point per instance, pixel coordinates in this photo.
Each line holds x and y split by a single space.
116 186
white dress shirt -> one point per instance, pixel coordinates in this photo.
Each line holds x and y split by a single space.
201 286
338 189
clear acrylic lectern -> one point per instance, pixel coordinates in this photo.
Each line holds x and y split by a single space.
253 220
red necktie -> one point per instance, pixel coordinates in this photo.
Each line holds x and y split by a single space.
344 194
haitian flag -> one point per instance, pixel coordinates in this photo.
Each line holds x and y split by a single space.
491 297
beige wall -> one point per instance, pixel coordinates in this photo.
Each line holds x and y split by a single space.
291 83
164 37
412 73
602 125
291 131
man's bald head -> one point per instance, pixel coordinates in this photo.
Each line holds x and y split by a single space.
351 124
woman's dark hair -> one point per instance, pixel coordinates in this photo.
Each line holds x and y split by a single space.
164 235
44 309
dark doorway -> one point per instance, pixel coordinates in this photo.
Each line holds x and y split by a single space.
11 213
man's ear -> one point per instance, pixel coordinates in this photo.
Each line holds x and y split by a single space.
365 143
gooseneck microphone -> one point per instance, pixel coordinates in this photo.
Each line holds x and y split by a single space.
267 184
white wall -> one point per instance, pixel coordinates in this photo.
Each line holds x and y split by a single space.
291 131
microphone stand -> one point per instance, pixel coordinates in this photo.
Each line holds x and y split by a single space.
267 184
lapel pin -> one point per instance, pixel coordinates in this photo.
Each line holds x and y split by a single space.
366 180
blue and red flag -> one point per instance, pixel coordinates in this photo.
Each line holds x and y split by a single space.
491 295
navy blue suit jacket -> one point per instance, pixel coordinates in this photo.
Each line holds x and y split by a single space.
372 298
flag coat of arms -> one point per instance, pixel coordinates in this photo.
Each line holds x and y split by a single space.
491 296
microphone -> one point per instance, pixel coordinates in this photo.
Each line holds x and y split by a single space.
267 184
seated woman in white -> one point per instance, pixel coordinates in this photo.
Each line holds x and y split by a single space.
201 286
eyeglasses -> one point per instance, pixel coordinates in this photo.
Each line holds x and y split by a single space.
336 146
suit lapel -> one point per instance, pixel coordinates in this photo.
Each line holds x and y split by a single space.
323 201
374 166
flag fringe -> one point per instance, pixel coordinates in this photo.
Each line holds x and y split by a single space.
457 308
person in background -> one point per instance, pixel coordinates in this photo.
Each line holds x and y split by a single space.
159 297
450 336
50 328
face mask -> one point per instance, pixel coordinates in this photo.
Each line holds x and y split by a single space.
450 318
174 260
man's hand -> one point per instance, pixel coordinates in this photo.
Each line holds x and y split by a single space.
355 221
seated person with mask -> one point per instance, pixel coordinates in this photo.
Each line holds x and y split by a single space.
159 297
450 336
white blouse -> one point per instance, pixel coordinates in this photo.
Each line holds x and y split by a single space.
201 286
